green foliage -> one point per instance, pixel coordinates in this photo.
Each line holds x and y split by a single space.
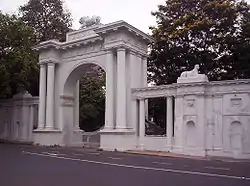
48 18
49 21
16 57
157 110
92 101
212 33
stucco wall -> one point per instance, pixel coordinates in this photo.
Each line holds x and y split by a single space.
211 119
18 117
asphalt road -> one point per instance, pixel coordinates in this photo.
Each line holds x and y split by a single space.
31 165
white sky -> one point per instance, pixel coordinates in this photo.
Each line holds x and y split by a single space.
135 12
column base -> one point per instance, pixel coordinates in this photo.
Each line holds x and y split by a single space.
51 128
191 151
141 146
52 137
46 137
118 139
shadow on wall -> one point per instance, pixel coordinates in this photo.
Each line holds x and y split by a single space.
236 136
67 134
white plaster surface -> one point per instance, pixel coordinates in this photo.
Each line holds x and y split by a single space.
117 48
211 118
18 117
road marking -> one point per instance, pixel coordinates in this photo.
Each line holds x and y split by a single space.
162 163
218 168
54 154
49 153
144 168
75 154
114 158
94 153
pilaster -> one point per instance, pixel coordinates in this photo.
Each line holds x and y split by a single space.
121 114
50 96
109 111
42 97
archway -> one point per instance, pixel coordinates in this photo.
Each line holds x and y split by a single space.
85 86
119 49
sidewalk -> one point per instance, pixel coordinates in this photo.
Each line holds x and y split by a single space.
173 155
167 154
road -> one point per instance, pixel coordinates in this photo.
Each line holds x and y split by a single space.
40 166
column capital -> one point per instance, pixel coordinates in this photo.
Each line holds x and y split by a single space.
141 98
109 50
47 60
121 49
51 63
144 57
42 65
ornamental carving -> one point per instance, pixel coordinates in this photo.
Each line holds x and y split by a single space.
67 101
236 102
82 51
190 102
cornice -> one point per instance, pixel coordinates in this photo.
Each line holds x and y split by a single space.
102 29
65 45
122 24
216 89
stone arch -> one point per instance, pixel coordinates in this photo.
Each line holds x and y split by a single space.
75 74
119 49
70 100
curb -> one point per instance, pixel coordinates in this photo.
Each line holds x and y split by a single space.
15 142
170 155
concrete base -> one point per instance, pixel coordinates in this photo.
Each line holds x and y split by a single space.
195 151
77 139
47 137
120 140
57 137
221 153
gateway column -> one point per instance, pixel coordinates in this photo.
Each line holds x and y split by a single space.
141 121
145 81
169 121
121 89
76 117
42 97
109 111
50 96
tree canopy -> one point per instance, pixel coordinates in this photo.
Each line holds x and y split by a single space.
16 57
92 99
48 18
212 33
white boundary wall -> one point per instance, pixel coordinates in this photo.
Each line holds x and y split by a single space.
18 118
211 118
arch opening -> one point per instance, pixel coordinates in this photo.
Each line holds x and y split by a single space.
86 85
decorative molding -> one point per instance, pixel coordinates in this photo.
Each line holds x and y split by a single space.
94 48
236 102
67 101
210 89
122 24
190 103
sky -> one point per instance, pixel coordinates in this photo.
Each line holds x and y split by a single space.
135 12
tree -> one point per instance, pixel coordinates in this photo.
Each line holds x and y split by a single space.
92 99
48 18
49 21
16 56
213 33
